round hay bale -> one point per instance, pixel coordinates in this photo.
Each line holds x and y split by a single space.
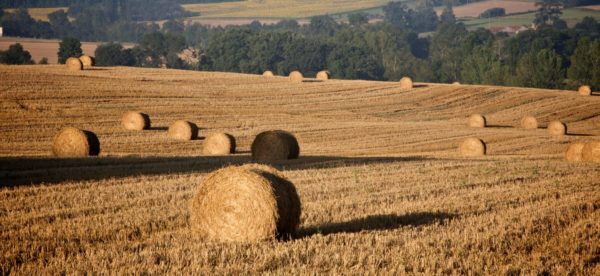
477 120
268 74
472 147
245 204
74 64
219 144
529 122
274 145
73 142
591 152
87 61
135 120
183 130
296 76
557 128
323 75
585 90
456 83
406 83
574 152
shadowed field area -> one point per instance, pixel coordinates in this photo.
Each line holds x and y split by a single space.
383 188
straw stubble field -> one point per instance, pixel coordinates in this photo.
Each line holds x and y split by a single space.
382 186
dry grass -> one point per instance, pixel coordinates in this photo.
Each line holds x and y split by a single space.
475 9
383 189
41 13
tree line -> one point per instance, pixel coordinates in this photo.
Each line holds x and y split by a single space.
551 56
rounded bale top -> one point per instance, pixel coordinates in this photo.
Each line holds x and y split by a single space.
472 147
74 64
183 130
477 120
585 90
219 144
574 152
73 142
268 74
557 128
87 61
529 122
323 75
274 145
406 83
591 152
296 76
133 120
245 204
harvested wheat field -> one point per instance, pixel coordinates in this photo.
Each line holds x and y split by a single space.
382 185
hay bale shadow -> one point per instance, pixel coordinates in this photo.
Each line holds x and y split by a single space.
377 223
499 126
312 80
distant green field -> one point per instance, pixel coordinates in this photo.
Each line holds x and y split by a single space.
282 8
571 16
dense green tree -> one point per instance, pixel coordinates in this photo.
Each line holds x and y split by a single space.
68 47
358 19
483 66
20 23
43 61
266 51
397 14
585 64
541 69
309 55
447 15
173 26
549 11
493 12
229 49
60 23
113 54
448 51
351 62
424 18
323 25
15 55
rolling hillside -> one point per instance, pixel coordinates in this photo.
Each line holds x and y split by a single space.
383 188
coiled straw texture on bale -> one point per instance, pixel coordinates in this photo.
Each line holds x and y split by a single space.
73 142
74 64
406 83
591 152
529 122
219 144
245 204
585 90
477 120
323 75
574 152
296 76
183 130
274 145
472 147
557 128
87 61
268 74
132 120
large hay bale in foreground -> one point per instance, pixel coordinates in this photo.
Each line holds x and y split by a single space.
73 142
574 152
74 64
472 147
477 120
268 74
296 76
591 152
529 122
323 75
132 120
183 130
274 145
406 83
87 61
585 90
245 204
219 144
557 128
